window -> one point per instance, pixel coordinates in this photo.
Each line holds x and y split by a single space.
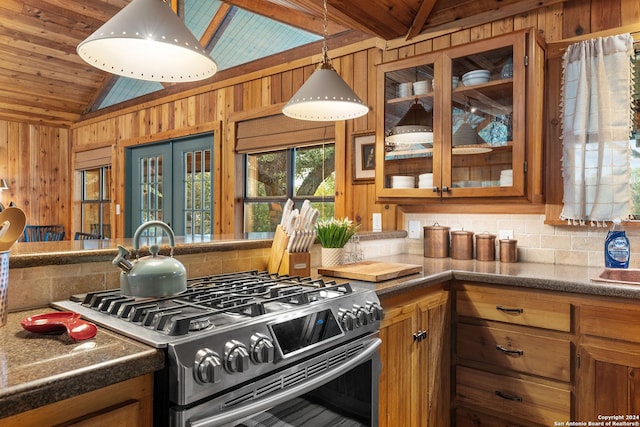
94 205
293 173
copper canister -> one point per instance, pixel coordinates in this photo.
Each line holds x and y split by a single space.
462 244
436 241
508 250
485 247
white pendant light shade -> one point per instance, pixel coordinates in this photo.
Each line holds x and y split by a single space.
147 41
415 127
325 97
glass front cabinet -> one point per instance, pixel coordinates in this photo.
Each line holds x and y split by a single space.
462 122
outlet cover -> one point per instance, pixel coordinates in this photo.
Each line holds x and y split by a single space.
414 229
377 222
505 235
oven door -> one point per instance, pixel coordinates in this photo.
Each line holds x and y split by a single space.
339 386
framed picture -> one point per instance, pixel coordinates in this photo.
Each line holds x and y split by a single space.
364 157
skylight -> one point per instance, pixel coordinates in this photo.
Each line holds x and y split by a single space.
242 37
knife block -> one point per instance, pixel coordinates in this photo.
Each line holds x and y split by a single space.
296 264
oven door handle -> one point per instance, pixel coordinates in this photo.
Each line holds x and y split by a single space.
254 407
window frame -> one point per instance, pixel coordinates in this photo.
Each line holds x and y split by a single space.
103 201
290 181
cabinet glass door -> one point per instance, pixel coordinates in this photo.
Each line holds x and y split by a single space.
410 166
484 130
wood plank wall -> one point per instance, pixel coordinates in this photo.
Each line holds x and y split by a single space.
35 161
38 165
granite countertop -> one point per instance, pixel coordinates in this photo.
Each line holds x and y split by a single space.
37 369
553 277
32 254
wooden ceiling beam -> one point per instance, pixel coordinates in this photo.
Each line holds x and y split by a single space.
214 25
421 17
307 21
100 93
336 16
385 19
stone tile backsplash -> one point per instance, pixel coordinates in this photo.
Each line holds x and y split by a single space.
537 242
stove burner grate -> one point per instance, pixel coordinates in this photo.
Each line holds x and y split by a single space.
246 294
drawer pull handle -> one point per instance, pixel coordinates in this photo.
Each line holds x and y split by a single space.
514 398
420 335
509 310
509 351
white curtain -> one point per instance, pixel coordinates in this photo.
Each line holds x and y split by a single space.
597 123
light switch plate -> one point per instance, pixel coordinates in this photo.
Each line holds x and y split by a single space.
377 222
414 229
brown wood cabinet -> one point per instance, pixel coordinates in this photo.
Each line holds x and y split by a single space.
486 139
125 404
415 352
512 356
608 362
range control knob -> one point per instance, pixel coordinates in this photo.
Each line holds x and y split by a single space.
207 367
236 356
375 310
363 314
347 319
262 349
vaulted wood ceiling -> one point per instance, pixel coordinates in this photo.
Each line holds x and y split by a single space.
43 80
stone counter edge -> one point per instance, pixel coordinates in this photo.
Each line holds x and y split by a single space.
73 252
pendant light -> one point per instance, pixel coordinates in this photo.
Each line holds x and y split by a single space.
415 127
325 96
147 41
466 140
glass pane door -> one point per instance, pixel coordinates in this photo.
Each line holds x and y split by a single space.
486 132
151 189
172 182
194 187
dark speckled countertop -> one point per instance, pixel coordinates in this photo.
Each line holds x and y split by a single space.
32 254
37 369
552 277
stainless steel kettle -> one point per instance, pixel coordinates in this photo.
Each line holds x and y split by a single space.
154 275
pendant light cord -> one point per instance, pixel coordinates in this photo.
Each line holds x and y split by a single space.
326 63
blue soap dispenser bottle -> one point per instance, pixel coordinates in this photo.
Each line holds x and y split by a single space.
616 247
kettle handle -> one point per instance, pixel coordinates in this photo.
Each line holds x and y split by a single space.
164 226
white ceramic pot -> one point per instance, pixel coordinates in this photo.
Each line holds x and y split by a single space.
331 256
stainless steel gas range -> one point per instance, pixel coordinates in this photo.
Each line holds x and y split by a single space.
245 349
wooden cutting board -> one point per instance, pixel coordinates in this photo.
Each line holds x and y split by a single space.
370 271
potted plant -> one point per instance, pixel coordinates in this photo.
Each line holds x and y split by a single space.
333 235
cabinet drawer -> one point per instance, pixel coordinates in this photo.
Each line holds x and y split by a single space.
520 351
513 306
619 321
468 418
533 401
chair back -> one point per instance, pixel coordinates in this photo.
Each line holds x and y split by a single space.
43 233
87 236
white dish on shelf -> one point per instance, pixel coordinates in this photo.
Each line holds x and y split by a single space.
476 77
421 87
403 181
405 89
